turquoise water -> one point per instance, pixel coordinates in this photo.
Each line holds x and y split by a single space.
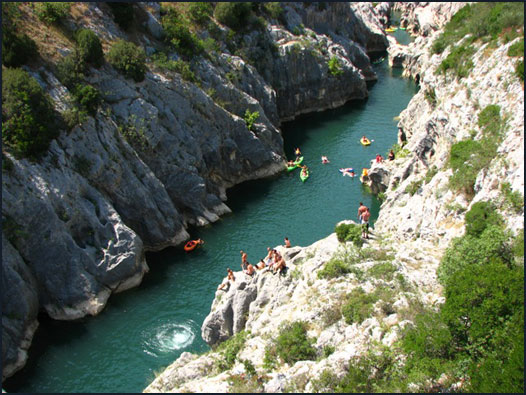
145 329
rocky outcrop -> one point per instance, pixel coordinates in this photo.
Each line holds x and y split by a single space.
267 301
158 156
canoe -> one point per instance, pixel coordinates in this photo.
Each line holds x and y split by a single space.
304 177
297 163
390 29
365 141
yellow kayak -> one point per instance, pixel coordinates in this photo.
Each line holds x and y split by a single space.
365 141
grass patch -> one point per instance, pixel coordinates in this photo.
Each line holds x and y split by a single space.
413 187
229 349
514 199
291 345
384 270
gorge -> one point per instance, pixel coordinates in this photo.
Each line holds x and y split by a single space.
144 194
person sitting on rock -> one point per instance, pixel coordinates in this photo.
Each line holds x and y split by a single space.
287 243
250 270
280 265
379 158
391 155
230 277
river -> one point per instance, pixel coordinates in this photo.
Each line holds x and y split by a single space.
145 329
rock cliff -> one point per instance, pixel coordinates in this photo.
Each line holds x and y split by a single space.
417 220
158 155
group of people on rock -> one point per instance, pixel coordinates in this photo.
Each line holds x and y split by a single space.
274 261
363 216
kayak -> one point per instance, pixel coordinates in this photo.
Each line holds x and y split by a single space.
191 245
304 177
390 29
365 141
297 163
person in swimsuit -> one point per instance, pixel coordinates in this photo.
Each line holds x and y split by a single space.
324 159
244 262
230 277
287 243
391 155
361 210
365 223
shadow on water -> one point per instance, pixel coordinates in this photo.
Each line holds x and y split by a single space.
50 333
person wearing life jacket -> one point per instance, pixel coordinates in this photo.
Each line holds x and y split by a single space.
297 152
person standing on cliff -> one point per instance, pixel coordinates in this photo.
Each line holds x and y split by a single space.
361 210
365 223
244 262
287 243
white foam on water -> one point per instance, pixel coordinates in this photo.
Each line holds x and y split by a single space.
168 337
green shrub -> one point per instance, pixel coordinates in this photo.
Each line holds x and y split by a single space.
467 158
28 115
519 70
229 349
334 268
179 66
514 199
89 47
71 69
133 131
516 49
128 59
335 68
293 344
518 245
459 61
49 12
123 13
430 97
273 9
233 15
490 122
17 49
87 98
250 118
359 306
483 21
480 216
200 12
352 232
384 270
179 35
474 251
413 187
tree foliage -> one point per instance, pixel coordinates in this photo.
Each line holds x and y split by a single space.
28 115
129 59
89 47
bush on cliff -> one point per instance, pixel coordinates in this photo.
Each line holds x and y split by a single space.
89 47
129 59
123 13
49 12
233 15
481 215
293 344
28 115
178 34
352 232
484 21
17 48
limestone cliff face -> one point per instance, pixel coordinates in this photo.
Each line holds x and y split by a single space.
157 157
417 220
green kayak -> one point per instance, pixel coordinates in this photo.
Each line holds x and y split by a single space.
297 163
303 177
